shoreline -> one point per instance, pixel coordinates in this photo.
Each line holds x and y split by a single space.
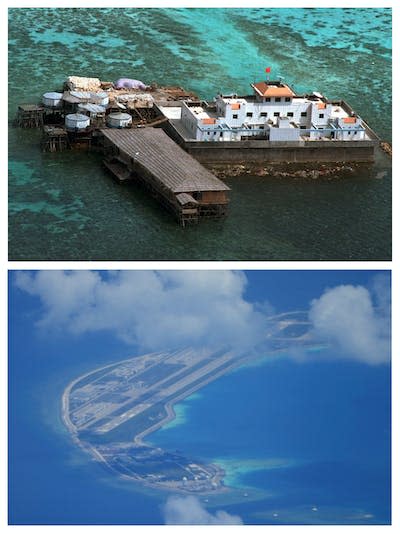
216 472
138 439
300 171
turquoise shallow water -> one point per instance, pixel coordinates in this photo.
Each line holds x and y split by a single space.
66 207
307 442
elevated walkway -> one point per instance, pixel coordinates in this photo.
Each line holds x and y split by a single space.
167 171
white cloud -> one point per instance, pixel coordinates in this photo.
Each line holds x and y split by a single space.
190 511
155 310
346 317
169 309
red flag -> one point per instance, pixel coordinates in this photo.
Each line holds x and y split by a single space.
268 70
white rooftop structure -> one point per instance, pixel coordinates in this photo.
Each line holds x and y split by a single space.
274 112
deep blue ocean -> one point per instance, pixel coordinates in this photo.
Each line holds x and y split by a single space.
66 207
300 442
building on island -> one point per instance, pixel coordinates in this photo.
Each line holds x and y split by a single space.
273 112
162 136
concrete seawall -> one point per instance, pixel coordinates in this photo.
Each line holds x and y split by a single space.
334 152
259 151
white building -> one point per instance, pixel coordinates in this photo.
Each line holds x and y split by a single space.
273 112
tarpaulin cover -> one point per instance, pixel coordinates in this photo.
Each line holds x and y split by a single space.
127 83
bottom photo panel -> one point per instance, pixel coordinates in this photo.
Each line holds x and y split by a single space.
199 397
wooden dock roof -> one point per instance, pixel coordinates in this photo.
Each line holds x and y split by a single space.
152 149
185 198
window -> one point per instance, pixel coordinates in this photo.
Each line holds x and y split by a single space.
287 98
235 116
277 114
302 127
278 99
321 115
261 127
249 114
290 113
304 113
268 99
263 114
220 134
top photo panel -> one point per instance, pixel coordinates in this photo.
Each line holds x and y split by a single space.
200 134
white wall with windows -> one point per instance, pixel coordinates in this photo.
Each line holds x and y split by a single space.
236 117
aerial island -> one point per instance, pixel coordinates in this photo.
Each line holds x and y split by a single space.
170 140
110 410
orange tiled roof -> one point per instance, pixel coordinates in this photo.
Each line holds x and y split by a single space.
209 121
263 89
322 105
235 105
349 120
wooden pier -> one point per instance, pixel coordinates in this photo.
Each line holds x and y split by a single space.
142 152
55 139
30 116
119 170
174 177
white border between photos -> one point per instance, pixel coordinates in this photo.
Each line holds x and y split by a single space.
263 265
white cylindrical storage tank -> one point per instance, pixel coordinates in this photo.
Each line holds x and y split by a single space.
119 120
77 121
101 98
52 100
